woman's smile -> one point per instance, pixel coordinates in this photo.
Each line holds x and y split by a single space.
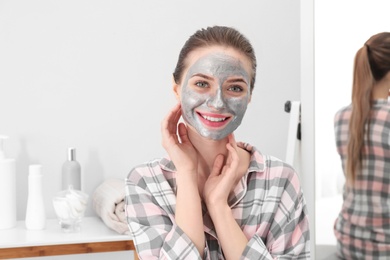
213 120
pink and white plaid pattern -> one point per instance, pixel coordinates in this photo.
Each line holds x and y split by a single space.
363 225
268 204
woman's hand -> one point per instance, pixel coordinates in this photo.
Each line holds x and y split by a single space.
180 149
188 213
222 178
218 186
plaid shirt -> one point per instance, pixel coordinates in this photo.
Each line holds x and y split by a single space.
267 203
363 225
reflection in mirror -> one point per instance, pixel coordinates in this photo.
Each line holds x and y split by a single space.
336 42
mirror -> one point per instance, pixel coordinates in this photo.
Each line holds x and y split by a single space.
341 28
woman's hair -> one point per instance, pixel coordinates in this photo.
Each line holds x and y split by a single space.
216 36
372 63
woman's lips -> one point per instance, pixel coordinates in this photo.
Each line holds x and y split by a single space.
213 120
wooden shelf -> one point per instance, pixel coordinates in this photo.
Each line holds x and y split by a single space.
94 237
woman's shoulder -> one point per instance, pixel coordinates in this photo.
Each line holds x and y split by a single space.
272 176
281 172
383 108
263 164
342 112
159 169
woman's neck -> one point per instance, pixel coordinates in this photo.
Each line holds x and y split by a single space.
381 88
207 150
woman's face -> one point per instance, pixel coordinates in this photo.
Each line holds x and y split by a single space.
215 91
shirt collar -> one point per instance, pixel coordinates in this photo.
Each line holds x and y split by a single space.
167 165
256 163
379 102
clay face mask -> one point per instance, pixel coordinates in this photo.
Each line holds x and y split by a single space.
207 104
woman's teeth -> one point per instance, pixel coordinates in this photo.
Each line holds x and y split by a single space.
214 119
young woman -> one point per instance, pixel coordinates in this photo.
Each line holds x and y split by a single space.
214 198
362 132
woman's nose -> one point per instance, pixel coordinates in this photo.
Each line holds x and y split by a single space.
216 101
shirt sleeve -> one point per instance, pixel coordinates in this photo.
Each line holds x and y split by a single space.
287 234
150 216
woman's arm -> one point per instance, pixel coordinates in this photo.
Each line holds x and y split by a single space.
221 181
189 210
287 237
188 213
281 223
230 235
150 212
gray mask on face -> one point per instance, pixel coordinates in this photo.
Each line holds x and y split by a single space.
219 114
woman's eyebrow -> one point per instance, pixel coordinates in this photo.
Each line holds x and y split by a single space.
233 80
202 76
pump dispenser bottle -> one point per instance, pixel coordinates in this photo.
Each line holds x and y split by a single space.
71 171
35 213
7 189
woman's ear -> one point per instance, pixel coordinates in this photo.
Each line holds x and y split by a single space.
176 89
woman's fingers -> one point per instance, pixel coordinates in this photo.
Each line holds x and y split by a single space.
217 167
183 133
169 125
176 115
233 148
232 140
173 118
233 156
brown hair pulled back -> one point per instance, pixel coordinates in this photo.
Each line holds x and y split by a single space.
212 36
372 63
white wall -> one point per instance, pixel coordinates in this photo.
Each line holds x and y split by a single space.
341 28
307 115
96 75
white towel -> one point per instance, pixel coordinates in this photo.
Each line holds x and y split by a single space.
109 205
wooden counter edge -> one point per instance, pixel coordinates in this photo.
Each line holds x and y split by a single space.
67 249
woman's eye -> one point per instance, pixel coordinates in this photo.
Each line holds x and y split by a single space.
202 84
235 88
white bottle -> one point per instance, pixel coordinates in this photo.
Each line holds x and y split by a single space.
7 189
71 171
35 214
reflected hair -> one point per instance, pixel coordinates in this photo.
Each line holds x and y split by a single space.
372 63
216 36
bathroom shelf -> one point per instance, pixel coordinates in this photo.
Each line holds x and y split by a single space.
94 237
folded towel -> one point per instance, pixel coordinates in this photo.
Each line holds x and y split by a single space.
108 203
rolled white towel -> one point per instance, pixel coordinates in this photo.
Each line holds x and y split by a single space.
108 203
